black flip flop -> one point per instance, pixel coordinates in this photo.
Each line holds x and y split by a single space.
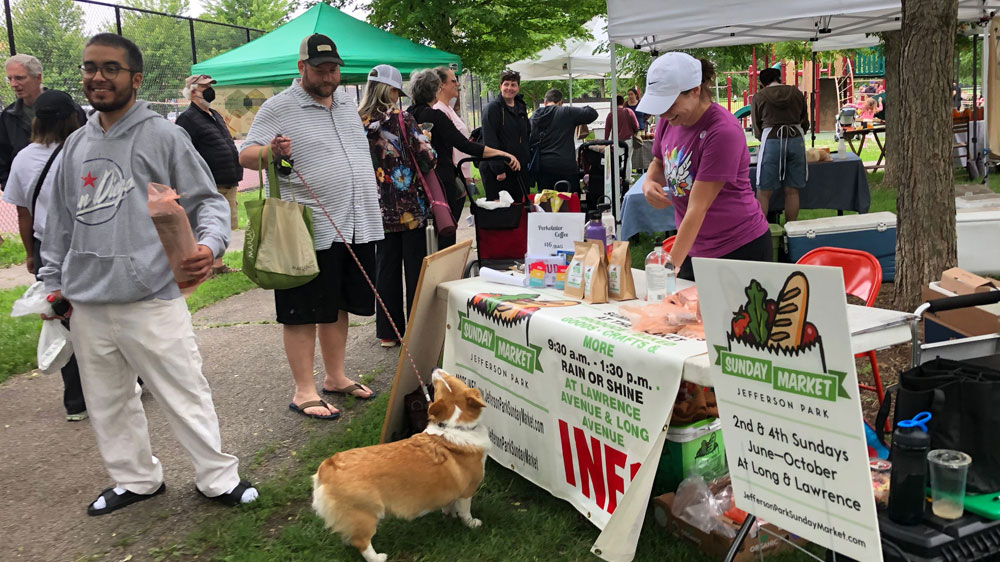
348 390
114 502
234 498
301 409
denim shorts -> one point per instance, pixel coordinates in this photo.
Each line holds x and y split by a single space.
792 163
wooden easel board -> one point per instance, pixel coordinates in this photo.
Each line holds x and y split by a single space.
425 331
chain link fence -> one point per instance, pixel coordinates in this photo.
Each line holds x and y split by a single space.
55 31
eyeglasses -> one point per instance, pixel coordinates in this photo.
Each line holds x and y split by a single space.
109 71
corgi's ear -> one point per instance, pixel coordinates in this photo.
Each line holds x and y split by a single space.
473 399
437 410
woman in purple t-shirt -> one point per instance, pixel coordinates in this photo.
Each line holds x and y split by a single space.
701 166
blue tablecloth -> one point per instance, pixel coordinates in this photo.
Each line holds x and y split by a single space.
841 185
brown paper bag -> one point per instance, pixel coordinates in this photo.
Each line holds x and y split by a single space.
175 233
595 275
574 273
621 285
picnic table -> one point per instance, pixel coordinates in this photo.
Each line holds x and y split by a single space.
861 134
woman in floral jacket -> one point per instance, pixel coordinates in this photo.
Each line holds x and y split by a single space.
404 205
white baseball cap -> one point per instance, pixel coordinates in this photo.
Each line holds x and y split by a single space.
667 77
387 74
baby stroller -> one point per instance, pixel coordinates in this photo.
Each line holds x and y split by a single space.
590 158
845 119
501 234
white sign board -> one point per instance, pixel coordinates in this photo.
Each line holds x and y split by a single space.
784 377
550 232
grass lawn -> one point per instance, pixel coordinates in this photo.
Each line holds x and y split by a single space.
520 521
19 336
11 251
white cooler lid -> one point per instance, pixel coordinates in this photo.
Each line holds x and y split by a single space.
846 223
983 214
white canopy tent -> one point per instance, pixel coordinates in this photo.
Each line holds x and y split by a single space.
845 42
657 26
576 58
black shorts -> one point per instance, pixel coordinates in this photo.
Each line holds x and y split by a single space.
758 249
339 286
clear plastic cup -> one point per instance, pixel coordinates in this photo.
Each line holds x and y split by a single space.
948 471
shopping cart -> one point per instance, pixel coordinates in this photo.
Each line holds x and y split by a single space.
590 159
501 234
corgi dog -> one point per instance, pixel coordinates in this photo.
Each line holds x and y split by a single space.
440 468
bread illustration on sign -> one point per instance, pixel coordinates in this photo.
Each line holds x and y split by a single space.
778 326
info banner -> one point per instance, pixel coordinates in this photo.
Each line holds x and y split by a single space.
576 400
788 398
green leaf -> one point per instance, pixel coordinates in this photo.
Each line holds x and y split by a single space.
756 296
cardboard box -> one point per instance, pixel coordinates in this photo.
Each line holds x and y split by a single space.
965 322
716 544
962 282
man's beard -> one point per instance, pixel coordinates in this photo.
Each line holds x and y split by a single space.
320 90
120 100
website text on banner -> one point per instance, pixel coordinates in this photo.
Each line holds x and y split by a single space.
788 400
576 398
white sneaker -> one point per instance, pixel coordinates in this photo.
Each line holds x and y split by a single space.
77 417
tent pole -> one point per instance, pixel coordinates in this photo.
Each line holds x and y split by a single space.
974 156
615 200
986 138
815 99
570 67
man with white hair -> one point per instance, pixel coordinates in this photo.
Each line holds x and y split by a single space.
24 74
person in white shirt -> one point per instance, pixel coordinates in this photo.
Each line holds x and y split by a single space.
56 116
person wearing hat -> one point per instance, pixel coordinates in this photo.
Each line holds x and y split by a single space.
404 205
212 140
318 128
56 116
701 167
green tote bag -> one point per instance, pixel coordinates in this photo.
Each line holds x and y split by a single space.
278 249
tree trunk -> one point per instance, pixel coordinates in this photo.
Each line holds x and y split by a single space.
926 239
893 41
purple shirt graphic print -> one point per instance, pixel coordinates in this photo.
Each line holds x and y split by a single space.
714 149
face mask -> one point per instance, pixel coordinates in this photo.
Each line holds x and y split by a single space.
208 95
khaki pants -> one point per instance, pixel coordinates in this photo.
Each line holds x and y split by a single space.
115 343
229 192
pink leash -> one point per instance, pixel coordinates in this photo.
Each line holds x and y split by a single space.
395 330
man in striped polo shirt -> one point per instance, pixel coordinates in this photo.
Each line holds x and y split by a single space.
319 128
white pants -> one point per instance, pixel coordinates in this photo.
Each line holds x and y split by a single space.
115 343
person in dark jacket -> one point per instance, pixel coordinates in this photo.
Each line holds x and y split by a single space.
506 127
424 86
24 74
212 140
552 128
780 120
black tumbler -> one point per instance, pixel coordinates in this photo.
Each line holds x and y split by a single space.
909 475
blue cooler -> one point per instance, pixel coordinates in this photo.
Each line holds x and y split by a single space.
874 233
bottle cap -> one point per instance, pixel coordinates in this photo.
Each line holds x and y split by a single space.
911 438
594 214
657 243
51 298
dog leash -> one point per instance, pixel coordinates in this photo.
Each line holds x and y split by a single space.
395 330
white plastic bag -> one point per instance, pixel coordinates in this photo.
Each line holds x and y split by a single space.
32 302
54 346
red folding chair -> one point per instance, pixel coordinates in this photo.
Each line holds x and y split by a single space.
668 244
862 279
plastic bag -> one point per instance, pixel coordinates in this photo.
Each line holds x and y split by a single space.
695 504
54 346
33 301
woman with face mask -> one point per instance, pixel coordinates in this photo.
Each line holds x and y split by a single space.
701 167
447 98
211 138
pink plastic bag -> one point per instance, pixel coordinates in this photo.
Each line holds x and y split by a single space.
175 233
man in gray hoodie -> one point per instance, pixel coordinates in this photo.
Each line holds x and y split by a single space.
102 254
552 129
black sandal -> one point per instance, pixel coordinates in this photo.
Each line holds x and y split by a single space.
234 498
114 502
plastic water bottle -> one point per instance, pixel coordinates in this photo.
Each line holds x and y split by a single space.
660 274
608 220
841 149
595 229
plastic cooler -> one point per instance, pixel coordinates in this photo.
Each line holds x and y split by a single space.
874 233
978 232
701 441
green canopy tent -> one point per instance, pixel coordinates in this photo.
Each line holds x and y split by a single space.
272 59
